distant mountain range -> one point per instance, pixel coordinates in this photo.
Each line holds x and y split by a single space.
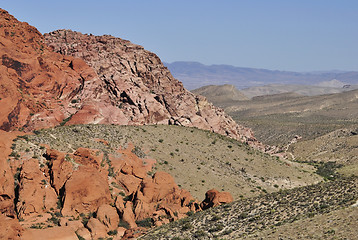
195 75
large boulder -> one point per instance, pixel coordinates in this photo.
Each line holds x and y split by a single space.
85 191
97 229
214 198
108 216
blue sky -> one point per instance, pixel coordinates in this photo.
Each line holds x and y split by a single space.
296 35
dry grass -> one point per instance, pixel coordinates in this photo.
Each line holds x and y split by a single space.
199 160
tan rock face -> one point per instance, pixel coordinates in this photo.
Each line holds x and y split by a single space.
54 233
140 89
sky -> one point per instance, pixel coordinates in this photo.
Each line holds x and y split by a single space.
290 35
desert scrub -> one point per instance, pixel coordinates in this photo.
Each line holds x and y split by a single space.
247 216
147 223
328 170
66 120
123 224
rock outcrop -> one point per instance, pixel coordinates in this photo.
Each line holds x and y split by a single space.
214 198
37 85
140 88
88 189
41 88
107 190
10 228
7 193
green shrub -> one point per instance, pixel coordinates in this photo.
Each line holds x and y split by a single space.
190 213
112 233
200 233
186 226
123 224
147 223
328 170
217 228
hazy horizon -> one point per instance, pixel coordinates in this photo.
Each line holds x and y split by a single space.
299 36
222 64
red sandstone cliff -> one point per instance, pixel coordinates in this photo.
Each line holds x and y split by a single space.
36 83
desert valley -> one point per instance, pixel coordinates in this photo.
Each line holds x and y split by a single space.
99 141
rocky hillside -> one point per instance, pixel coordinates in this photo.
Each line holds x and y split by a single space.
41 88
248 218
37 85
109 190
140 88
198 160
89 192
128 191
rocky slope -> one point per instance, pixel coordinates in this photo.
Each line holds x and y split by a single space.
94 193
41 88
48 188
198 160
37 84
141 89
248 218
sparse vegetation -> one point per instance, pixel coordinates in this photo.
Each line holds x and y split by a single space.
147 223
249 217
198 158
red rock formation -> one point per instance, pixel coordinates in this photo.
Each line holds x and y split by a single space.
7 193
97 229
214 198
108 216
37 84
78 184
35 193
10 228
140 88
161 196
40 88
85 191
